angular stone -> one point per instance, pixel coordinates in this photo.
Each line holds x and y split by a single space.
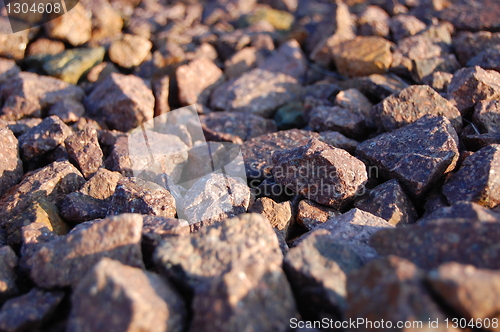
68 110
488 59
322 173
75 27
476 180
8 70
289 60
34 236
468 44
413 103
29 311
336 118
235 264
363 56
101 71
473 15
95 306
471 85
311 214
432 244
241 62
129 51
405 25
258 92
354 100
45 137
242 125
317 269
84 151
487 116
373 21
257 151
158 229
401 295
438 80
124 101
417 155
338 140
11 168
27 93
378 87
471 292
8 264
119 158
279 215
64 261
12 45
19 127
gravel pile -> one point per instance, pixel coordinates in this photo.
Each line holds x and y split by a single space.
368 187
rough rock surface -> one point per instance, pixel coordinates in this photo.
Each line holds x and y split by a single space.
461 211
84 151
145 302
75 27
279 215
336 118
242 125
487 116
472 15
289 60
417 155
119 158
68 110
11 168
338 140
311 214
129 51
8 264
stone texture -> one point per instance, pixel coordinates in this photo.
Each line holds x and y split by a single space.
84 151
472 85
488 59
11 168
471 292
290 115
8 264
432 244
65 261
258 92
487 116
378 87
234 273
45 46
411 104
389 202
289 59
317 269
242 125
322 173
279 215
129 51
74 27
29 311
197 80
19 127
134 195
124 101
363 56
13 45
477 179
242 61
336 118
338 140
472 15
8 70
373 21
405 25
461 211
400 292
119 158
145 303
34 236
438 80
311 214
68 110
417 155
468 44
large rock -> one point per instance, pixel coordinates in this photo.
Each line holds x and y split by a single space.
417 155
472 15
233 270
74 27
145 303
322 173
467 44
64 261
461 211
123 101
8 264
11 168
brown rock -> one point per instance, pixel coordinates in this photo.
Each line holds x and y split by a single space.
241 62
363 56
432 244
233 269
64 261
354 100
29 311
19 127
487 116
124 101
373 21
472 85
438 80
417 155
378 86
8 264
68 110
472 15
11 168
279 215
405 25
476 180
242 125
84 151
95 306
322 173
487 59
12 45
74 27
129 51
338 140
413 103
119 158
289 60
311 214
161 89
461 211
45 46
8 70
34 236
336 118
468 44
101 71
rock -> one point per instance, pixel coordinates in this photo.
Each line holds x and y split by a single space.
279 215
8 264
27 93
197 80
311 214
374 21
472 85
378 87
13 45
70 65
214 198
400 292
29 311
363 56
471 292
125 101
355 101
45 137
432 244
74 27
21 126
68 110
413 103
417 155
280 20
290 116
461 211
338 140
158 229
389 202
101 71
242 125
43 46
8 70
129 51
84 151
161 91
487 116
235 264
476 179
322 173
438 80
336 118
242 61
289 60
488 59
405 25
134 195
119 158
97 308
468 44
34 236
258 92
11 168
257 151
64 261
472 15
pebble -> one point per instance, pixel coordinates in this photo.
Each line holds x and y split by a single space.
129 51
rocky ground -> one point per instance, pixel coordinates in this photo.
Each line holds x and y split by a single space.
395 103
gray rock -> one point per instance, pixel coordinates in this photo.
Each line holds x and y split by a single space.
11 168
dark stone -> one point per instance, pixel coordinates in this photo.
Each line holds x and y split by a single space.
468 44
11 167
488 59
336 118
84 151
405 25
119 159
8 70
242 125
338 140
487 116
472 15
8 265
461 211
68 110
